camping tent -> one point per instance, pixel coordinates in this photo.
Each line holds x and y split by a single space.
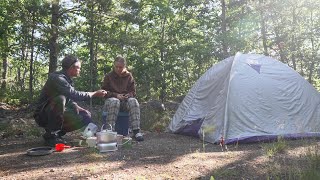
249 98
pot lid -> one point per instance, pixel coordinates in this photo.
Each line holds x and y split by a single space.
107 132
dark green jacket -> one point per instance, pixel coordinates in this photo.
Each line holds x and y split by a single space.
59 83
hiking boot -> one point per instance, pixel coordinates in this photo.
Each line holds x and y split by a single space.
48 134
139 137
61 133
53 141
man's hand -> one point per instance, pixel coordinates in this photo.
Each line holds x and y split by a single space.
127 96
78 109
122 97
99 93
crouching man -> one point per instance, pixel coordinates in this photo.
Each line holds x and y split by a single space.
56 111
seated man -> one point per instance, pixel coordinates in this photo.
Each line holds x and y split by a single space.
121 96
56 110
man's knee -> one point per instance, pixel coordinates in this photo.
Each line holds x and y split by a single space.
61 100
73 121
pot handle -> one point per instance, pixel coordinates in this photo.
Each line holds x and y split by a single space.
105 124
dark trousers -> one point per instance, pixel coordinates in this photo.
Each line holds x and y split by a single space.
57 114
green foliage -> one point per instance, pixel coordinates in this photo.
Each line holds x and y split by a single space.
317 84
276 147
313 162
34 132
3 126
168 44
16 98
155 120
7 130
227 173
206 130
310 170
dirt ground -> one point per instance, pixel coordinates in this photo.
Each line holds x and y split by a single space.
160 156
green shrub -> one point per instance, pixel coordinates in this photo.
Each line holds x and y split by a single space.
277 147
34 131
313 166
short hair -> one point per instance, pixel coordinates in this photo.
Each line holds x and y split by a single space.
120 59
68 61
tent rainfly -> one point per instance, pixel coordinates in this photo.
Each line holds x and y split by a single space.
249 98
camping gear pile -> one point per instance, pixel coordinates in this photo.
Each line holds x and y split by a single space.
249 98
105 140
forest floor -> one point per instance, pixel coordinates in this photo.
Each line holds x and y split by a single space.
161 156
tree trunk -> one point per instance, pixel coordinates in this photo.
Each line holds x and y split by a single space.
19 68
31 57
91 44
263 29
187 71
95 64
224 29
4 70
4 56
162 60
53 45
293 40
313 53
280 46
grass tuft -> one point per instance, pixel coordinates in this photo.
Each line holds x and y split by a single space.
277 147
313 161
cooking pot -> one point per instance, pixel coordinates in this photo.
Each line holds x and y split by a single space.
106 147
106 136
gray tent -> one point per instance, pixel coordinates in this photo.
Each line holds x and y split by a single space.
249 97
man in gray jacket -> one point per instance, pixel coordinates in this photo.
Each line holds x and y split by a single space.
57 112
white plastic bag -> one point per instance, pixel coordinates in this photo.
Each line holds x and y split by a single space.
90 130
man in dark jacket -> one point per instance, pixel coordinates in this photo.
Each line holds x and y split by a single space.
121 89
57 112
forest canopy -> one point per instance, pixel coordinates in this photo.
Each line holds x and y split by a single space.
168 44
